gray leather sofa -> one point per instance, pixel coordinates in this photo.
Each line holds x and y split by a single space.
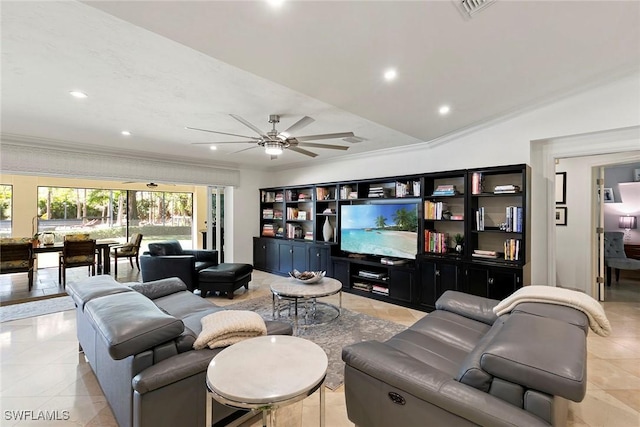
138 339
462 366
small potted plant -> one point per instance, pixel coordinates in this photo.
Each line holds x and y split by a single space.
35 240
459 239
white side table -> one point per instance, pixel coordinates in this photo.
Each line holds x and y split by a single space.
264 373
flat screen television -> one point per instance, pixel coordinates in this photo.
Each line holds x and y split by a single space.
389 229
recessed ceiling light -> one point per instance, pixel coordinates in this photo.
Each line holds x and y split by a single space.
126 133
390 74
275 3
78 94
445 109
213 147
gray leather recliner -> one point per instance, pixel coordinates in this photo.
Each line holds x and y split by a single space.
462 366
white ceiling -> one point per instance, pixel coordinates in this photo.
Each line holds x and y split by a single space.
155 67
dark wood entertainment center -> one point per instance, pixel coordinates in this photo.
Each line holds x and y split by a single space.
488 206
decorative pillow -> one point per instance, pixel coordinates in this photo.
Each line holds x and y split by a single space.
157 249
165 248
227 327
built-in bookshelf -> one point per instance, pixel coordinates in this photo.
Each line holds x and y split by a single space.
473 230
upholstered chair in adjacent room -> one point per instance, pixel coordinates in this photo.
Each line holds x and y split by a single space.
615 257
79 250
130 250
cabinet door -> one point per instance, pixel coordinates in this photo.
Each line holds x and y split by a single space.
259 254
476 281
285 257
448 276
401 283
318 258
299 257
272 256
427 294
502 283
341 272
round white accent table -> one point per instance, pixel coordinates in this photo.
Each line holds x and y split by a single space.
291 289
264 373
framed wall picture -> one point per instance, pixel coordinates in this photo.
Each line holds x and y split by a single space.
608 195
561 215
561 188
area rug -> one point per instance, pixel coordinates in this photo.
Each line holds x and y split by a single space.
348 328
35 308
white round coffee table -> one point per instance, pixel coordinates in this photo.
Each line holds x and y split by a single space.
265 373
291 289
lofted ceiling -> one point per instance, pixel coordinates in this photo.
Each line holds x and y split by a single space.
153 68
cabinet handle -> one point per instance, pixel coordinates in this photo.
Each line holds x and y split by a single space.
290 251
264 247
437 272
318 255
491 280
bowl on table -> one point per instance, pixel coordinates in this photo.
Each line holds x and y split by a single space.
307 277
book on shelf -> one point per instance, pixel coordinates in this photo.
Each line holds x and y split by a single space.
277 214
279 197
480 219
377 289
308 235
377 192
268 230
303 197
362 286
506 189
302 215
435 242
409 188
434 210
513 219
484 256
345 191
323 193
292 213
268 196
445 190
371 275
512 249
267 213
457 217
477 183
484 252
292 195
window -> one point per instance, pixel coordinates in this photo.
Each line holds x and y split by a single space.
6 210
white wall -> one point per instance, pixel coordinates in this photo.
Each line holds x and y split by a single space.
609 106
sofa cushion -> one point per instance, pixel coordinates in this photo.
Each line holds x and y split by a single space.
171 247
126 334
470 306
457 331
93 287
554 311
225 273
183 304
470 372
159 288
540 353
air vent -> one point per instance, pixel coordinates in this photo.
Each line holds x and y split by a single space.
471 7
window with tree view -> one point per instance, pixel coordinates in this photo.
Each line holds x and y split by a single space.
116 214
6 210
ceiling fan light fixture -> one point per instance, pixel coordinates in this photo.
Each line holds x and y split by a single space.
273 148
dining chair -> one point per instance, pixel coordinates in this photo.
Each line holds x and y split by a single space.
130 250
16 256
79 250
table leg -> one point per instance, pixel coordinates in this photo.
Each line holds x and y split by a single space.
273 306
106 260
100 252
209 416
340 299
295 315
322 404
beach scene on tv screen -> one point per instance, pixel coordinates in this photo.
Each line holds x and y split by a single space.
387 230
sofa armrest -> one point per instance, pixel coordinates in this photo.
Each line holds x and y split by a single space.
202 255
164 266
429 384
173 369
469 306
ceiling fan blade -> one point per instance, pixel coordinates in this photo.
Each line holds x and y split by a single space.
223 142
244 149
302 151
330 147
250 126
324 136
306 120
222 133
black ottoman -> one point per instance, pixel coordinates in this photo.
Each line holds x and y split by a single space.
225 277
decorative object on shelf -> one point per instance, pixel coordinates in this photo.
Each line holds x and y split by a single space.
459 239
477 183
561 188
307 277
627 223
608 195
327 230
561 215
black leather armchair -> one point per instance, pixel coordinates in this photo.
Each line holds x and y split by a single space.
168 259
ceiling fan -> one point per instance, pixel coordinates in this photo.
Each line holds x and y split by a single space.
275 142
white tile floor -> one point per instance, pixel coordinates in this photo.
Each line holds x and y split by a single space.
41 369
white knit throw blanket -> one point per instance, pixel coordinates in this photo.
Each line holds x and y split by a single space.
226 327
598 321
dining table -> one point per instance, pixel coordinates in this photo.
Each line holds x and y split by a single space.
103 249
